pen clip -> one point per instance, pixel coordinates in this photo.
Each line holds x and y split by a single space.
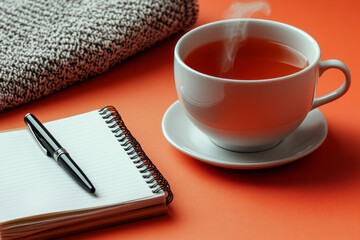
36 137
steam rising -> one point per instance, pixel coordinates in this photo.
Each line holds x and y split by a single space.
237 34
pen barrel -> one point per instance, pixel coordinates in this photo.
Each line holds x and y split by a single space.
75 172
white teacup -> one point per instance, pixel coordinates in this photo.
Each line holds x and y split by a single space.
252 115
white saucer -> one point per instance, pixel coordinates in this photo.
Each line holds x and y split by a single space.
184 136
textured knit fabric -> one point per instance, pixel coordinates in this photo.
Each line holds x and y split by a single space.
46 45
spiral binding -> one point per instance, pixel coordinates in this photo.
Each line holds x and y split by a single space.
148 170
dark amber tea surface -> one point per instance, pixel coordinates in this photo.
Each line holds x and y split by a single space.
255 59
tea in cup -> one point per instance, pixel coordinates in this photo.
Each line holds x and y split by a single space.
266 92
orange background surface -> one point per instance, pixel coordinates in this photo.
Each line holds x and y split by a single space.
316 197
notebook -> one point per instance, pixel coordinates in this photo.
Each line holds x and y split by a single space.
40 200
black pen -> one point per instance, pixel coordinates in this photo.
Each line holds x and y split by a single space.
53 149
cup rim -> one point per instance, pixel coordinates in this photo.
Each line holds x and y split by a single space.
310 66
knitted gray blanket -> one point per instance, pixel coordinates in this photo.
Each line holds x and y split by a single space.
48 45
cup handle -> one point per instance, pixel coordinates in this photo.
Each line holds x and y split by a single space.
325 65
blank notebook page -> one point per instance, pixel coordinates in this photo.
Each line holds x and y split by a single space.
32 183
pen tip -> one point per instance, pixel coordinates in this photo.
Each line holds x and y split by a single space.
92 190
